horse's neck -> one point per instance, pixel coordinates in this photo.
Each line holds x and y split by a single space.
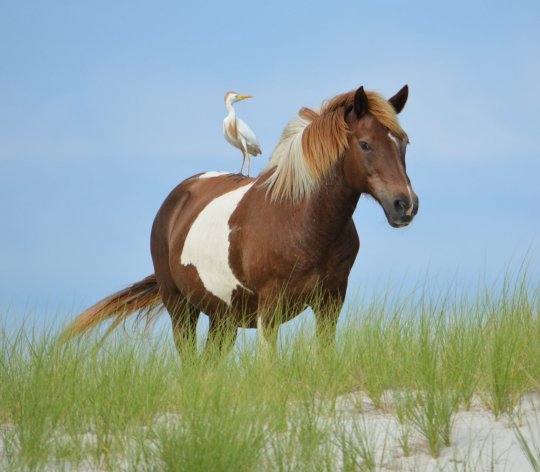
330 209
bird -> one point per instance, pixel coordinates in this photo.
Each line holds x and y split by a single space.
237 132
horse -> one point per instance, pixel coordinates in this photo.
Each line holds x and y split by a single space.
231 246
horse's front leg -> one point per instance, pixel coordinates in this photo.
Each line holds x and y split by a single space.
327 309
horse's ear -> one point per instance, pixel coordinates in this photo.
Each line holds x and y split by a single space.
399 99
360 103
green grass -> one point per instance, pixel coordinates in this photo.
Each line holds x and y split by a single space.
530 445
132 405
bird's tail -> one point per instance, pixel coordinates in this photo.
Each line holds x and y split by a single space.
142 297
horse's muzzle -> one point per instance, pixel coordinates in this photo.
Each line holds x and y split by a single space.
401 211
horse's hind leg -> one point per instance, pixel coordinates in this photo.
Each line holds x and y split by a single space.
221 336
184 317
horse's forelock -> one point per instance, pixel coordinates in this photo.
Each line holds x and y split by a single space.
382 109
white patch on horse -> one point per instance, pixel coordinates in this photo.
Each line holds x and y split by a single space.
393 138
410 210
207 245
212 173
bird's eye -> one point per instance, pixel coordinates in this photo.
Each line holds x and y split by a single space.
365 146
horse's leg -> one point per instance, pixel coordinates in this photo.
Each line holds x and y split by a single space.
267 331
184 317
221 336
270 309
327 309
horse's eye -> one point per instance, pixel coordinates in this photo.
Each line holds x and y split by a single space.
365 146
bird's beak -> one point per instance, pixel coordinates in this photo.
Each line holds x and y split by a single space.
243 97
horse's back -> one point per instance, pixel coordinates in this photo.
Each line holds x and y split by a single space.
190 196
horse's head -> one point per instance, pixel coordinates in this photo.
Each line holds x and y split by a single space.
374 162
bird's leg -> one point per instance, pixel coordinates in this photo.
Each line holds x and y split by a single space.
243 161
249 162
244 153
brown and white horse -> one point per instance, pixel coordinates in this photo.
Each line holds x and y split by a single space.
232 246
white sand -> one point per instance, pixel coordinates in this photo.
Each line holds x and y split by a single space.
479 442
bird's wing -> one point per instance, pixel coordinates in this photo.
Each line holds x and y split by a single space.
253 143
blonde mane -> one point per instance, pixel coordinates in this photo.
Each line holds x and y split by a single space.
313 141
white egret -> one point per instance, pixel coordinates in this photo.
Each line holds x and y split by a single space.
237 132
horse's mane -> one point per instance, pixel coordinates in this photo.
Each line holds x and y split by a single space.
312 143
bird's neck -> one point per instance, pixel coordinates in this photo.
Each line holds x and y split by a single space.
230 108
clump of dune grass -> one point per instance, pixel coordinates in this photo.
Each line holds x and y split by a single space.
509 360
528 436
130 403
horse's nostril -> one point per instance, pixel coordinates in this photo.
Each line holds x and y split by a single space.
400 204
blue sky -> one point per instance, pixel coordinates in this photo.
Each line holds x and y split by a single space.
106 106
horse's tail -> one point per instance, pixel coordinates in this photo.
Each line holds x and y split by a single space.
142 297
